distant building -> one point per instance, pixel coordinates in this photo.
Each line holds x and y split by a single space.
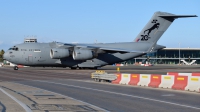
170 56
30 40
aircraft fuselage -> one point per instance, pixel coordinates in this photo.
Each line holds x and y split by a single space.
38 54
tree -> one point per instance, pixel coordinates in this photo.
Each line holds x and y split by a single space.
1 55
2 52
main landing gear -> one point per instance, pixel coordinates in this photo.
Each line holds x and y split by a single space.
73 68
80 68
15 68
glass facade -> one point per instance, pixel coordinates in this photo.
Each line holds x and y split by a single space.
170 56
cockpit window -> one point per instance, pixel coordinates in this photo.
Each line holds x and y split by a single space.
13 48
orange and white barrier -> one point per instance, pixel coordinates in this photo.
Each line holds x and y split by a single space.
179 74
155 80
167 81
175 81
183 74
119 77
180 82
119 64
125 78
144 79
195 74
134 79
193 84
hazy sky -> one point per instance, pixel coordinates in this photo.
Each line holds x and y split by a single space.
86 21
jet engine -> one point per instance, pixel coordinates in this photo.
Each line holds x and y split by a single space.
83 54
59 53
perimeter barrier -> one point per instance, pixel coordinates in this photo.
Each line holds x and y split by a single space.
193 84
180 82
125 78
144 79
155 80
167 81
119 77
184 74
134 79
174 80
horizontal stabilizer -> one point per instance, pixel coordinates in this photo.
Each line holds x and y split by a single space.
177 16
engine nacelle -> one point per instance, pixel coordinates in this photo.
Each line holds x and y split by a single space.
59 53
83 54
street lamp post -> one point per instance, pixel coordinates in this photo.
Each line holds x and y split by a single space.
179 54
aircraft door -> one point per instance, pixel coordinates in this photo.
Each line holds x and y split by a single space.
30 59
44 54
24 57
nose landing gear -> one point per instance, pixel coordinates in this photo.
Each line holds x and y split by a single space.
15 68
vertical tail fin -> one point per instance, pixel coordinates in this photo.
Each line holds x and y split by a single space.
157 25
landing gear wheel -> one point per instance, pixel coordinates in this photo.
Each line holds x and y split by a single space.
16 68
95 68
73 68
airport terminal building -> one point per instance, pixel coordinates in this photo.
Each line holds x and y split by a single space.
170 56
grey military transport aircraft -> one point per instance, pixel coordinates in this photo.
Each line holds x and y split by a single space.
56 54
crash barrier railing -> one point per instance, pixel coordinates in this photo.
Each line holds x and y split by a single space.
177 82
102 76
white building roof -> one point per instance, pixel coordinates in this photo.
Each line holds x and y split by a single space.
181 49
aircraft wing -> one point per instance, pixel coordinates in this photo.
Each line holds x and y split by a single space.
120 50
106 49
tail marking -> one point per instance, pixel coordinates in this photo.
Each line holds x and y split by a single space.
156 25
